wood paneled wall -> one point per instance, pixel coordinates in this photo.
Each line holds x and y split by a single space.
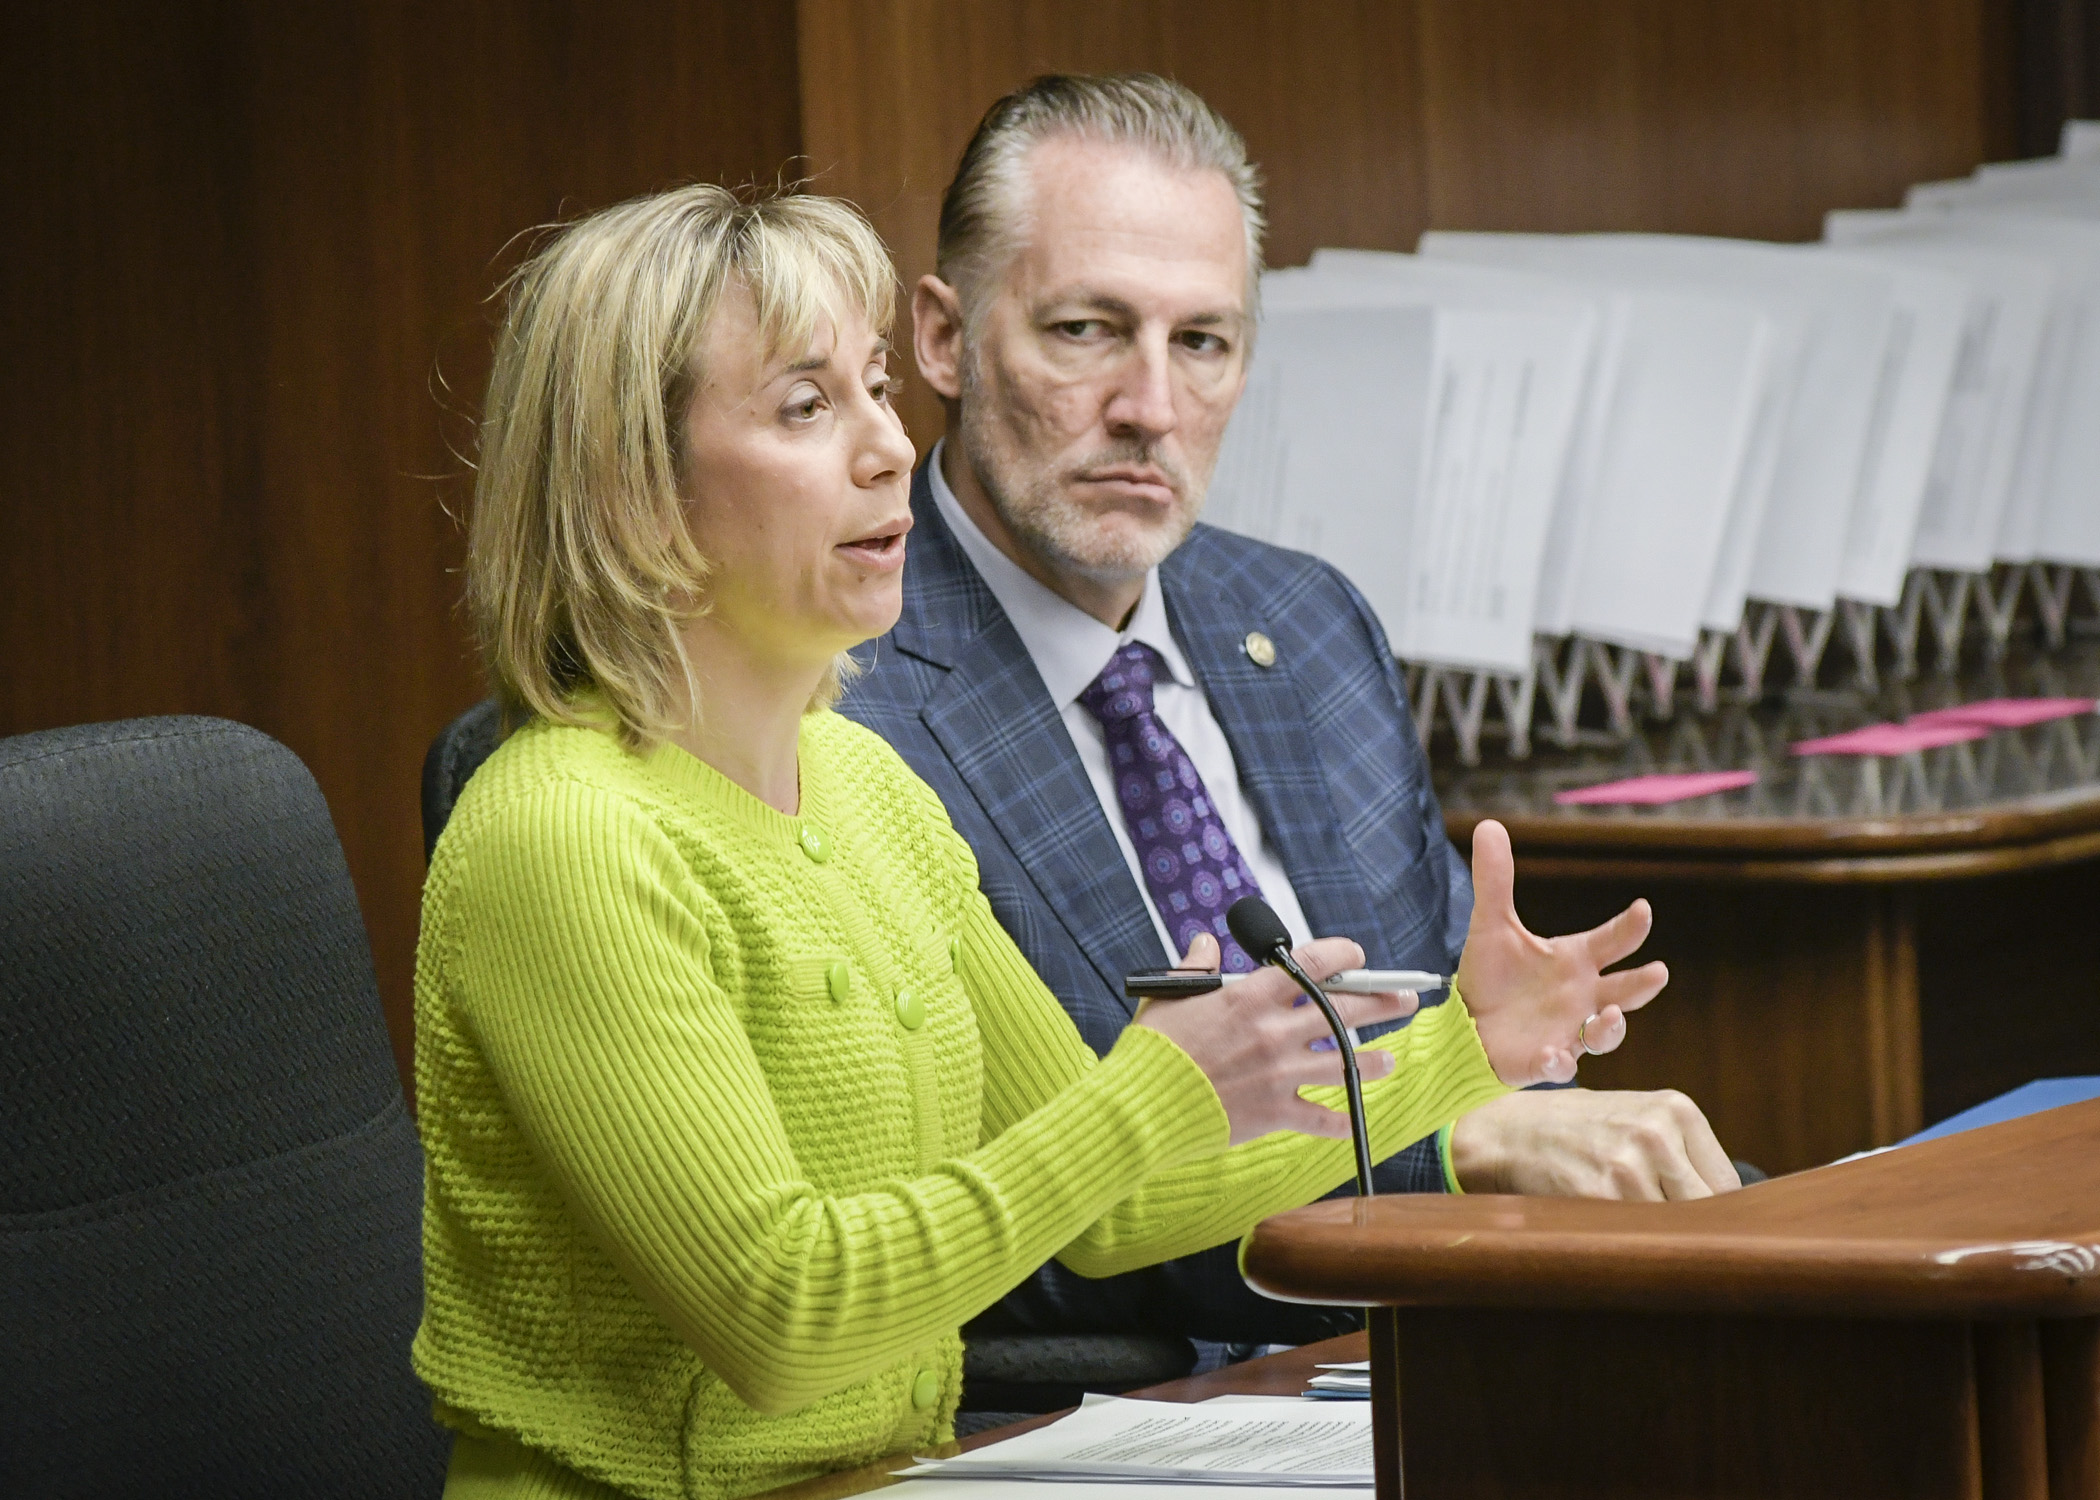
1326 91
243 278
1378 119
1732 117
2056 72
245 251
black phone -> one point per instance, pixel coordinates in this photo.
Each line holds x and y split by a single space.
1169 984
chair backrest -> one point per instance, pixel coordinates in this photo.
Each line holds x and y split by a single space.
455 755
210 1190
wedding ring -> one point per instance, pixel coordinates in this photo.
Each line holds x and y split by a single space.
1582 1043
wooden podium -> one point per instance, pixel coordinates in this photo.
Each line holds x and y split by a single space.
1921 1324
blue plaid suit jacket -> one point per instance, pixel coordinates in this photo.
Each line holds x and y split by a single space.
1328 757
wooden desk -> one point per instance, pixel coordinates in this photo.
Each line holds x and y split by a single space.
1857 945
1276 1375
1923 1324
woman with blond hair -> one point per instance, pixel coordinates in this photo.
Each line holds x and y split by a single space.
736 1098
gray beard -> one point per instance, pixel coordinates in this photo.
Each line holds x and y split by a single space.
1036 513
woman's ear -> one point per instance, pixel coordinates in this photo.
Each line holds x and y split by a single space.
937 335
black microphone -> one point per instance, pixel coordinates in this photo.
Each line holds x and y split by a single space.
1261 932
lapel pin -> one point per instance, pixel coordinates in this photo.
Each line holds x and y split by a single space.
1259 648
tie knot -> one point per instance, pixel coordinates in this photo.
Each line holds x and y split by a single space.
1124 688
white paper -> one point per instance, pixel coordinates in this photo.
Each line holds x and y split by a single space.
2053 513
1246 485
964 1488
1978 444
1353 1385
1243 1398
1930 312
1835 320
1673 476
2039 174
2080 138
1418 449
2034 185
1501 405
1488 485
1671 470
1111 1438
1324 453
1453 284
1636 322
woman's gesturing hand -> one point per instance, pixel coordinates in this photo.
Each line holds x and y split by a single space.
1532 998
1253 1041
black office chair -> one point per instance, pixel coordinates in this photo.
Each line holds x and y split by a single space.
454 755
1004 1378
210 1190
1008 1377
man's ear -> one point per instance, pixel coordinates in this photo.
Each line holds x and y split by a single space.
937 336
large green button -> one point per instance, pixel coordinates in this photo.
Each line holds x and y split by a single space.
955 954
839 979
911 1010
925 1390
816 843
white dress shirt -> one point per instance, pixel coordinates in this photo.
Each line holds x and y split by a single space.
1070 649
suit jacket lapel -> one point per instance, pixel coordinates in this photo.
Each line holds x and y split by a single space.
994 720
1264 711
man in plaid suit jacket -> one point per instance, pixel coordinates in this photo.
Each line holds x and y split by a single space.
1089 367
1328 757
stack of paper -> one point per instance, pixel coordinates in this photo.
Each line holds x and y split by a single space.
1283 1443
2050 512
1929 314
2054 207
1572 460
1832 322
1350 1382
1420 445
1562 451
1978 442
1631 437
1690 436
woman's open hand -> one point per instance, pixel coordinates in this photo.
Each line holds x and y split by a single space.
1533 997
1254 1042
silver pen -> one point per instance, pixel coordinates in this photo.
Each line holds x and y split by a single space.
1173 984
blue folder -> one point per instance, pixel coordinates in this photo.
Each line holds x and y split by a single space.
2028 1099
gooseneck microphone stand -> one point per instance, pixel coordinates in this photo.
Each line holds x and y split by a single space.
1261 932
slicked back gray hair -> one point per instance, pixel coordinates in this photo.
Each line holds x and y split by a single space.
984 211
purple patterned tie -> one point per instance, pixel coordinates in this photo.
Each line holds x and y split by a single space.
1192 867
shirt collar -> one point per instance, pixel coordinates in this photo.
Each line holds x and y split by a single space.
1068 646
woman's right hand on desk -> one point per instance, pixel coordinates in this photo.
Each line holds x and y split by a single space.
1253 1041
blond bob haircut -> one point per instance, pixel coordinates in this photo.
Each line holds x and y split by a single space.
581 571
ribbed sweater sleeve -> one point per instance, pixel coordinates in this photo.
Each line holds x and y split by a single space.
627 1067
1442 1072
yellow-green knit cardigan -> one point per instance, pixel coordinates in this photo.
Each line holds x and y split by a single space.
733 1118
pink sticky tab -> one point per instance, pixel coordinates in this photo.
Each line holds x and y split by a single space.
1647 791
2006 713
1890 739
